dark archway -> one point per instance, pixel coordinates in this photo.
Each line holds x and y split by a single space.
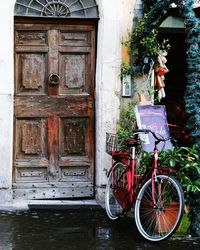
173 30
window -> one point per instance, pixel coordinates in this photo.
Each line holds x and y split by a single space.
57 8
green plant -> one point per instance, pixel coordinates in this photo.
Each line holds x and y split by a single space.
127 122
126 69
126 43
183 228
183 163
144 41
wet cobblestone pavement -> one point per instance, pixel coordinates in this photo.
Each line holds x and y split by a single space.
77 230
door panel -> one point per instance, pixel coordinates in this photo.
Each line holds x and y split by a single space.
31 73
73 136
54 110
33 138
73 74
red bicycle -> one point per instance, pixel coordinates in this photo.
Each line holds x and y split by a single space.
157 198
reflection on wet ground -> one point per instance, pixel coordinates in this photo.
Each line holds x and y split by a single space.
77 229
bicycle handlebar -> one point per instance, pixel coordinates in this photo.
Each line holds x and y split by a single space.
146 131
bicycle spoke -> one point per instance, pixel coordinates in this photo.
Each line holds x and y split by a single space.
167 190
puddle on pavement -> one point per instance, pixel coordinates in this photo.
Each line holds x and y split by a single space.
76 230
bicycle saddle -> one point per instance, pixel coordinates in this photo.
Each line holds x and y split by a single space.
131 143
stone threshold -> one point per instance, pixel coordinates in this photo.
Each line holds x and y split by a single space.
20 205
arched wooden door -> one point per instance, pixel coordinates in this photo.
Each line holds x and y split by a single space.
54 108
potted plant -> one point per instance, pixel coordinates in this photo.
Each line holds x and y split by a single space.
183 163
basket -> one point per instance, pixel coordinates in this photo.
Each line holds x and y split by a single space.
112 143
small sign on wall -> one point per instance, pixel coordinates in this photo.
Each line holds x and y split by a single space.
126 86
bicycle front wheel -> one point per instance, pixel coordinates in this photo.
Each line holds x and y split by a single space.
157 220
116 195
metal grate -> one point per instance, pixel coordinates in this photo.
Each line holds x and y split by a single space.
57 8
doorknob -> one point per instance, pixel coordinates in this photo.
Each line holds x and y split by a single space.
54 79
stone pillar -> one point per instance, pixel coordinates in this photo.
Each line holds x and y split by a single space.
112 27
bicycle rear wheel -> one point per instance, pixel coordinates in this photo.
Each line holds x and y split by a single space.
116 195
157 222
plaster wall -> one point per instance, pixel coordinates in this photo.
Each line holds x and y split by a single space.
115 19
6 98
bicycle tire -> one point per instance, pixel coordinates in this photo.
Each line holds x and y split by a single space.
154 222
116 191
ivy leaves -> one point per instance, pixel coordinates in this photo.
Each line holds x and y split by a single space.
144 40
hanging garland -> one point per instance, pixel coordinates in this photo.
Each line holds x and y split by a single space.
192 97
144 43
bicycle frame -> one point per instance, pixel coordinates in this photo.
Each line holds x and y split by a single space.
128 159
129 162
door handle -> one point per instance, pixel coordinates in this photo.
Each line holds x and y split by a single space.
54 80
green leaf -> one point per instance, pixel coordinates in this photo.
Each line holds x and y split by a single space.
172 163
198 169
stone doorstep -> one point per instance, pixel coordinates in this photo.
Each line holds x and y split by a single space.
20 205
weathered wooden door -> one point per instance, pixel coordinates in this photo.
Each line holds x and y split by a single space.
54 110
